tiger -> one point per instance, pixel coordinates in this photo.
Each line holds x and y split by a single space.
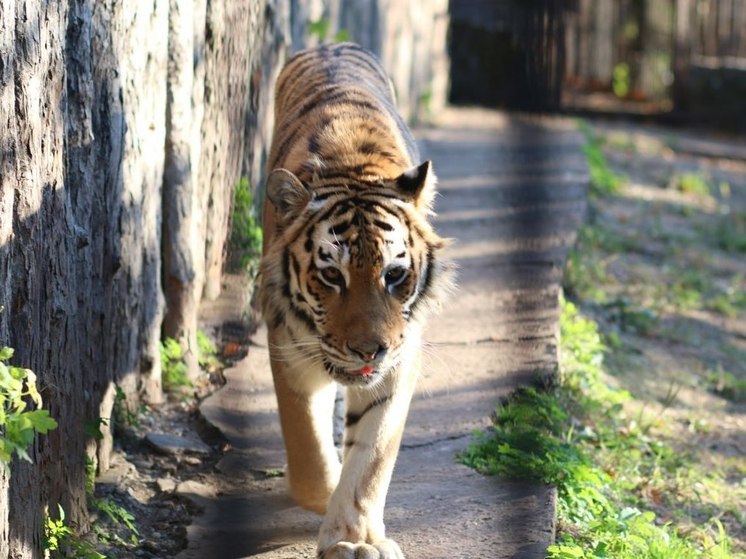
351 267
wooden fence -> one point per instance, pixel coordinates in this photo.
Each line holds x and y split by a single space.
528 54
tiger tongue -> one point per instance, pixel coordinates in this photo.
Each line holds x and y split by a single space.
367 370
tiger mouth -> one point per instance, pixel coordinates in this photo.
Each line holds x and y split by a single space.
353 376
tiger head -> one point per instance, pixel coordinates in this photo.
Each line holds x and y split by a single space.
352 269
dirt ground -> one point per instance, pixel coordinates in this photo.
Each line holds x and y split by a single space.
663 269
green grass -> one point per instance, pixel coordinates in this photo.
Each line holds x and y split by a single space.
604 181
605 464
585 273
686 284
730 232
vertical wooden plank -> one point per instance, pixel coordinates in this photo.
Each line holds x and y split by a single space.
682 53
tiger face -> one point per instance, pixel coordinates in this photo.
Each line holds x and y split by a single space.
358 266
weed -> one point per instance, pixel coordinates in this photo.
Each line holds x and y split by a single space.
18 426
245 245
119 517
174 369
621 141
631 317
685 298
730 301
691 183
730 232
320 30
585 274
90 476
727 385
92 427
341 36
604 181
122 412
59 541
207 352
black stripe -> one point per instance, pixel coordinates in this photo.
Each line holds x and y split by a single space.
303 316
353 419
325 256
365 58
340 228
313 142
383 225
286 274
289 141
277 320
296 267
427 286
346 204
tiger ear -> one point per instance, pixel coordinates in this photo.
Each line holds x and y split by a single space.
287 193
418 185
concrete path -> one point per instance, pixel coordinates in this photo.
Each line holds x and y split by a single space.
513 195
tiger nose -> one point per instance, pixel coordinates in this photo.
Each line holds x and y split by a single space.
369 351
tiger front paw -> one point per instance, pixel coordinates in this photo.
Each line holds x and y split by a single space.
384 549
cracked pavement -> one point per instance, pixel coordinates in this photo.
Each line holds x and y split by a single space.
512 195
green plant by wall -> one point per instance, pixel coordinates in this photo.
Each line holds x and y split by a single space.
320 30
18 425
60 542
174 369
90 476
122 412
120 520
245 244
207 352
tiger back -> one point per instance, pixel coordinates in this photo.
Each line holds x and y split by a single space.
351 268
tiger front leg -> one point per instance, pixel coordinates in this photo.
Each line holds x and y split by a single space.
305 400
353 527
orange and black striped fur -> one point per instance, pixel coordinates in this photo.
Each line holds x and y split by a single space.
351 266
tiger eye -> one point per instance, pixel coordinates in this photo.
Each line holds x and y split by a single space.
394 276
332 276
